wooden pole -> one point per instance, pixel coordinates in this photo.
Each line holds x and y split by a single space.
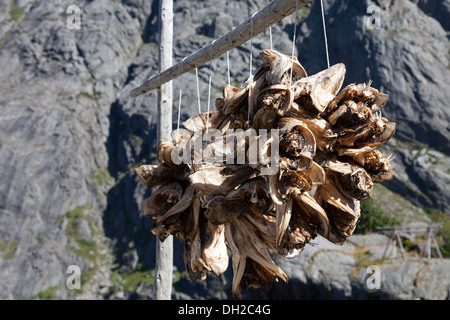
400 245
269 15
164 250
428 244
388 244
436 245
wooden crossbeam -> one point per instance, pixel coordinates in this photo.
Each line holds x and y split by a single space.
260 21
410 229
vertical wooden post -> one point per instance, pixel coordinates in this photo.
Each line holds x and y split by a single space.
164 250
388 244
400 245
428 250
436 245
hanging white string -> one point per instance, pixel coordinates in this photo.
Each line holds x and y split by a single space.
198 91
293 39
179 101
270 37
228 67
209 87
250 68
325 33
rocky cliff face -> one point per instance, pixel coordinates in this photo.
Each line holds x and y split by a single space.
357 271
70 134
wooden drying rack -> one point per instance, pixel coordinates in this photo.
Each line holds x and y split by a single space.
257 23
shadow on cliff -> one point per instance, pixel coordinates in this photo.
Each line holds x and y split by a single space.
131 142
296 289
122 221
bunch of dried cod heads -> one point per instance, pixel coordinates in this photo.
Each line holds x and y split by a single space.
327 162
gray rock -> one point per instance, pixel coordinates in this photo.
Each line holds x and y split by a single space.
345 274
84 228
433 280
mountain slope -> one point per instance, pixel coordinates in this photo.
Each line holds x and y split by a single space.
70 134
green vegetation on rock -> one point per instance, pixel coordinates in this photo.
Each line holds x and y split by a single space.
86 248
16 12
48 294
443 235
101 175
130 281
372 217
8 249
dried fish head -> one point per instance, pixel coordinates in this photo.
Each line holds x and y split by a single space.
221 210
170 226
374 99
175 220
377 132
229 91
237 100
200 122
156 175
183 204
220 179
370 97
162 200
301 217
164 153
219 103
187 257
252 265
259 82
324 134
297 140
180 137
255 192
279 66
312 213
378 165
292 184
353 180
381 130
276 97
350 115
296 236
357 185
315 92
264 119
343 212
213 247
